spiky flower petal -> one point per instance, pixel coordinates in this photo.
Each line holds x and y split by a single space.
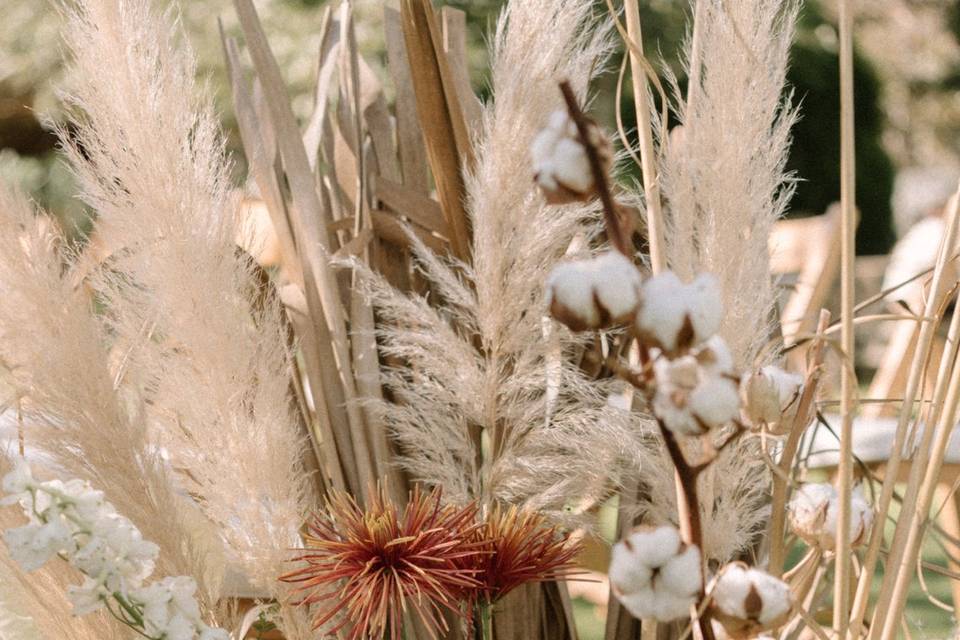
371 565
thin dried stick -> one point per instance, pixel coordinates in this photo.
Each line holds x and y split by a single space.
848 382
802 419
917 369
641 101
614 229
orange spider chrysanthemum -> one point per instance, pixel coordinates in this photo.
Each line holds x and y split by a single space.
372 565
519 547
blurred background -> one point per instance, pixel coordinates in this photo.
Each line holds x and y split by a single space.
907 91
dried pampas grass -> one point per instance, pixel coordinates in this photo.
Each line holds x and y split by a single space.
51 346
485 367
203 344
723 172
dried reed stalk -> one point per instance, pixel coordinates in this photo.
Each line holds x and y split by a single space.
806 406
926 331
929 455
848 382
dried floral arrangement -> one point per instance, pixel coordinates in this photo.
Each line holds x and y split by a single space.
384 393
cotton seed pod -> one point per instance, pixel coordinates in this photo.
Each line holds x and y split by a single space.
596 293
747 601
814 511
771 397
654 574
560 162
696 392
675 316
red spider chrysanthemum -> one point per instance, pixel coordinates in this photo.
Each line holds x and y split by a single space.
372 565
519 547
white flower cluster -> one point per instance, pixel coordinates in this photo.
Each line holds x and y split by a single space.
815 509
747 601
771 397
562 169
73 521
697 391
655 575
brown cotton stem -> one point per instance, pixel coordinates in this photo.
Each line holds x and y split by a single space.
600 178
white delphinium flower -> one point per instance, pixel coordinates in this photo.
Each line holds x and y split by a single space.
73 521
594 293
560 163
655 575
675 316
814 512
747 601
771 396
698 391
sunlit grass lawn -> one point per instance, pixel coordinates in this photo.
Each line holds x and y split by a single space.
925 619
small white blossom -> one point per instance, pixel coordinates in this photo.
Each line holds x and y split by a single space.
16 483
675 316
594 293
698 391
747 601
73 520
771 396
814 511
655 575
560 163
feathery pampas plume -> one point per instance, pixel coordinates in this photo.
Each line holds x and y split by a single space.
57 368
724 181
202 345
482 358
723 173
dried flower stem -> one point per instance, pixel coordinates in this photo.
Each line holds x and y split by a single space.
648 161
842 575
921 356
614 228
780 480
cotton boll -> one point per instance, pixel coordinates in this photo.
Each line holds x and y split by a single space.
595 293
654 574
861 518
815 510
771 396
628 574
747 601
675 316
560 163
663 311
696 392
682 574
715 402
808 510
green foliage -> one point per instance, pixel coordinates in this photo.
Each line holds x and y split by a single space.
815 155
